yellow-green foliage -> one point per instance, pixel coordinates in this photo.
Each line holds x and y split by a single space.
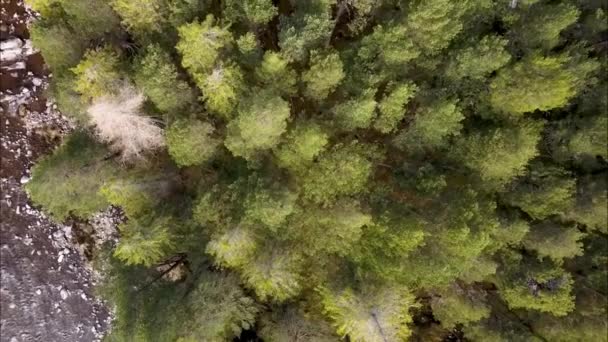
97 74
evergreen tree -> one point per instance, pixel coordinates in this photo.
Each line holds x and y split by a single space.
376 154
191 142
158 78
68 181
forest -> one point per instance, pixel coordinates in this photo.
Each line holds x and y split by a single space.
326 170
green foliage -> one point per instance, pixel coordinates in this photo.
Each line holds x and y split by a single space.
97 74
87 18
480 59
547 190
270 205
308 28
261 120
392 107
251 52
432 24
60 46
256 12
302 144
555 241
333 230
221 88
289 324
432 126
201 44
232 248
388 46
324 75
591 201
535 83
591 137
138 193
374 153
144 241
140 16
384 244
356 113
157 76
500 154
68 181
275 74
457 305
344 170
532 285
274 274
540 26
191 142
372 315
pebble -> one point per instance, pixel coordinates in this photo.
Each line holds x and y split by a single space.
24 179
63 294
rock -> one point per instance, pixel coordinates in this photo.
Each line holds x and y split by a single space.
63 294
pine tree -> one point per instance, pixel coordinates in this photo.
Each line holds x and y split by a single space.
68 181
191 142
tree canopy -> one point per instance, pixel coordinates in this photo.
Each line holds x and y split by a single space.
319 170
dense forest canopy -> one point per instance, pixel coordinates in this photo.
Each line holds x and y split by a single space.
311 170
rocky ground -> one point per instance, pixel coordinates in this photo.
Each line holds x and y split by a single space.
46 284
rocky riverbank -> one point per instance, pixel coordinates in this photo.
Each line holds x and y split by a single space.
47 286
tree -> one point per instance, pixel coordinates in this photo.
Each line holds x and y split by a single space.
433 24
61 47
289 324
221 88
256 12
540 25
383 245
344 170
591 199
191 142
139 192
269 204
302 144
275 74
331 230
141 17
375 154
97 74
144 241
324 75
308 28
500 154
590 138
68 181
88 19
547 190
479 59
357 112
157 77
555 241
458 305
118 121
530 284
201 44
372 315
392 107
535 83
274 274
260 122
432 126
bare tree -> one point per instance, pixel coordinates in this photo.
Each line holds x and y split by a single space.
119 121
